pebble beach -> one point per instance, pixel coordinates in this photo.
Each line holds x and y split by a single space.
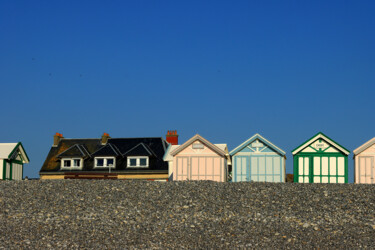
201 214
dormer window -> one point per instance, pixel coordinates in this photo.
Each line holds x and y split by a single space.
71 163
137 162
105 162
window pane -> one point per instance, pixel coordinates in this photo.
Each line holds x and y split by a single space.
133 162
66 163
99 162
142 161
77 163
109 162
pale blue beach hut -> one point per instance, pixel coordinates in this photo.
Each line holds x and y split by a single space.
257 159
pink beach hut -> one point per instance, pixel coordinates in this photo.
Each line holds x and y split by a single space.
364 163
198 159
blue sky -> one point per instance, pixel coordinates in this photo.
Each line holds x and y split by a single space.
223 69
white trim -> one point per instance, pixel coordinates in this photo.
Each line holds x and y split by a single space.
72 167
252 139
137 161
105 162
364 146
318 137
257 153
204 141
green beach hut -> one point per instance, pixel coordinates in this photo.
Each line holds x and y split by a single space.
12 159
320 160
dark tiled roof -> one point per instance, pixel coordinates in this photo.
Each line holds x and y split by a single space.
52 162
153 147
107 150
75 151
140 150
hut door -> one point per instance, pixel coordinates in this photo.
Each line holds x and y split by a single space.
182 167
303 169
242 169
366 169
205 168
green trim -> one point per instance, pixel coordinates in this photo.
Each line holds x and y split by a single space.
4 166
327 148
17 161
346 170
10 170
322 154
313 148
320 133
311 174
19 144
295 169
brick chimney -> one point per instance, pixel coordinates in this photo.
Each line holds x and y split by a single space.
105 137
172 137
56 139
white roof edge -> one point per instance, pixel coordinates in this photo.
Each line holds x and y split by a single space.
315 138
257 134
364 146
203 140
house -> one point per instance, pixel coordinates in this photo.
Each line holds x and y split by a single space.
106 157
198 159
364 163
257 159
12 158
320 160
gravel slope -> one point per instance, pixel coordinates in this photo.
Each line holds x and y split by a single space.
139 214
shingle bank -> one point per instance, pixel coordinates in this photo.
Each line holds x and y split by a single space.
144 214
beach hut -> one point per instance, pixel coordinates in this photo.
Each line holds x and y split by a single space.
364 163
320 160
198 159
257 159
12 158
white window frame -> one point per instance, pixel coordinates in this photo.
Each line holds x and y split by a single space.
71 163
105 165
138 161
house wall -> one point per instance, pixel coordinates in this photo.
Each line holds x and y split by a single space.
364 166
162 177
259 163
199 164
170 170
51 177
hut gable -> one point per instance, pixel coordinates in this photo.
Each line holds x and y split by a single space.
257 144
322 144
368 148
198 145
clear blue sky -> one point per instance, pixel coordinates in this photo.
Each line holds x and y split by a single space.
223 69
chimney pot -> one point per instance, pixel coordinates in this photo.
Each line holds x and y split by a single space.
56 139
105 137
172 137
